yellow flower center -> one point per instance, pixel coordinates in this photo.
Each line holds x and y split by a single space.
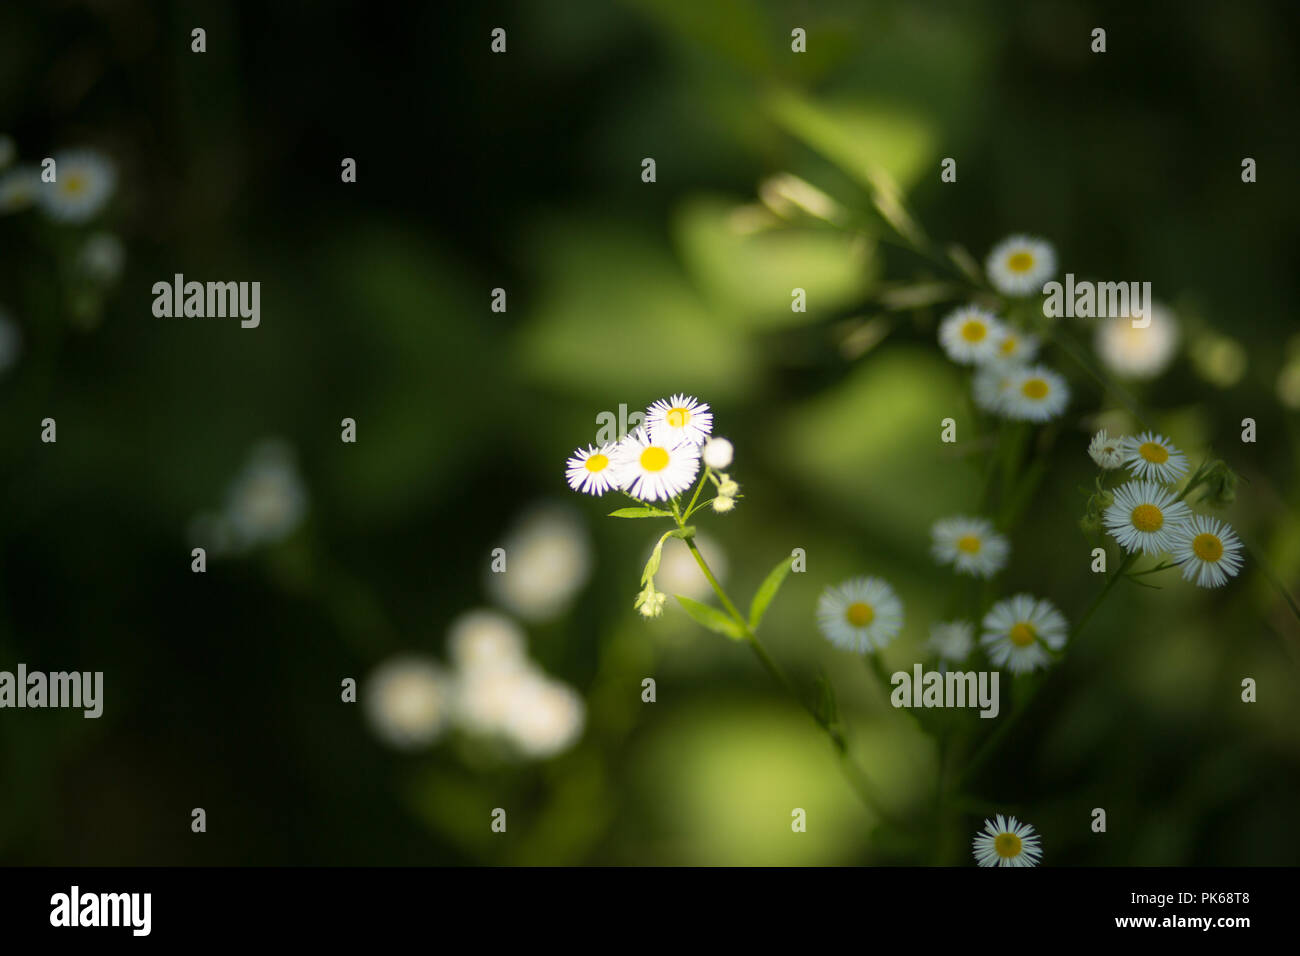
1035 388
974 331
74 184
860 614
1022 634
654 458
597 462
1009 345
1007 845
678 417
1154 452
1147 518
1020 261
1207 547
968 543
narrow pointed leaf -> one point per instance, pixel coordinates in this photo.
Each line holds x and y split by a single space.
766 592
711 618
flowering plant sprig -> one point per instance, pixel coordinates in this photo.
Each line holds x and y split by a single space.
656 466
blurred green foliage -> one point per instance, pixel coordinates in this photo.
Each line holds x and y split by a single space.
522 172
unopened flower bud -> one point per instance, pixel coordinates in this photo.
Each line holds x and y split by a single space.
717 453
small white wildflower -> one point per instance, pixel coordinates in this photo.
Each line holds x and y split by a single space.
1020 265
1107 452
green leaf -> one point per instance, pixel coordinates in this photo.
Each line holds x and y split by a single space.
748 275
652 565
766 592
640 513
865 140
711 618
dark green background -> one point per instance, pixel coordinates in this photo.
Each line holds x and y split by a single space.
522 171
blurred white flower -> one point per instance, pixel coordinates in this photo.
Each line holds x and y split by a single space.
483 641
680 574
102 257
484 697
11 342
407 700
84 182
19 188
1138 353
1036 394
951 640
1020 265
548 559
545 717
266 501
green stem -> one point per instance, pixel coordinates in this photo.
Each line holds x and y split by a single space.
857 778
690 509
990 744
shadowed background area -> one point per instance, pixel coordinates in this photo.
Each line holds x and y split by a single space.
477 171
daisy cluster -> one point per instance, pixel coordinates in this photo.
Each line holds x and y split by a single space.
659 460
1007 381
1145 515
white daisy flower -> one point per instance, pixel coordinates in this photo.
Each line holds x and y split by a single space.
84 181
680 418
1138 353
407 700
1145 516
717 453
1016 346
1020 265
482 640
591 470
655 469
970 335
860 615
19 189
1154 456
991 384
1107 452
1019 632
1007 843
1035 394
1209 551
951 640
970 545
